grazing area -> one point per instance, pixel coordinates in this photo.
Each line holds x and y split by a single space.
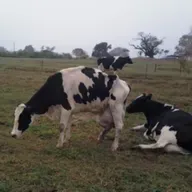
34 164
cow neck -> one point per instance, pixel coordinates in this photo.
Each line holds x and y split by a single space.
38 104
153 109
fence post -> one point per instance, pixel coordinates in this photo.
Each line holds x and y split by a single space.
188 88
180 68
146 70
155 67
42 63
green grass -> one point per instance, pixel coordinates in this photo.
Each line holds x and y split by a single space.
33 163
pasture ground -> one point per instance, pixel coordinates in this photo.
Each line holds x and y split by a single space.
33 164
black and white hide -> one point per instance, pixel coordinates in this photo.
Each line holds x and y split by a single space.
76 90
113 64
170 127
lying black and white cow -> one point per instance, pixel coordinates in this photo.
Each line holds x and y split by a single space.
74 90
113 63
170 127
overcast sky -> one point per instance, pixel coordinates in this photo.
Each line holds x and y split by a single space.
68 24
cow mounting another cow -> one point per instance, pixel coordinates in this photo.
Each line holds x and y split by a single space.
113 64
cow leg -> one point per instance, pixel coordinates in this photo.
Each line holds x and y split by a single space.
161 143
64 122
61 135
139 128
106 121
103 133
118 114
150 146
175 149
68 131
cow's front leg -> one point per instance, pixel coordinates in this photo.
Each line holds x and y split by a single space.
61 135
64 122
68 132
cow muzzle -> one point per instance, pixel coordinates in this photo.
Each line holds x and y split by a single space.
16 134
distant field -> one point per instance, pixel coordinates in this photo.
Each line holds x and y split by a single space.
141 66
34 164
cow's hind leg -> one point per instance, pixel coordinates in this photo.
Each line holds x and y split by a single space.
106 121
118 114
151 146
103 133
166 138
161 143
139 128
64 124
175 149
68 131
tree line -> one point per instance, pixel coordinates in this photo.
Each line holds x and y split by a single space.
148 45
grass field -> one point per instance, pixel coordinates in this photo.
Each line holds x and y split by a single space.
33 164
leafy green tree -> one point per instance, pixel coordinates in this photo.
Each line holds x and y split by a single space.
101 50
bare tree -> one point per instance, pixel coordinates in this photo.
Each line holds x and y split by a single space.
149 44
166 52
139 53
184 47
184 51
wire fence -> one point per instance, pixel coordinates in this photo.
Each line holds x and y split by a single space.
142 66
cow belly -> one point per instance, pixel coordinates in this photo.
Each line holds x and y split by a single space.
96 106
54 112
186 145
184 137
106 119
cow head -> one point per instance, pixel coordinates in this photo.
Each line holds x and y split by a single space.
23 118
138 104
128 60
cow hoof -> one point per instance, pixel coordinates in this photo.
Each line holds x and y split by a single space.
135 147
114 147
134 129
66 143
100 139
59 145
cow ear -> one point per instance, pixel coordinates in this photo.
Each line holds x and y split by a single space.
149 96
21 106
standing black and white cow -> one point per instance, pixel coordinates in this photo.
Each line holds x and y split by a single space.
170 127
113 63
74 90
